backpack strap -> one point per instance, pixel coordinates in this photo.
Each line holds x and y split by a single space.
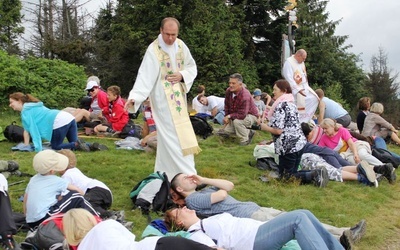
204 231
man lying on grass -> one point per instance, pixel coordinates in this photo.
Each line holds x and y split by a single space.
215 200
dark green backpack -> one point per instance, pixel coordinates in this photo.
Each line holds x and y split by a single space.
155 197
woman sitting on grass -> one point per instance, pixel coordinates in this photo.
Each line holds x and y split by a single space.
230 232
376 125
353 150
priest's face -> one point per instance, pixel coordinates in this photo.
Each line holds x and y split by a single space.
169 32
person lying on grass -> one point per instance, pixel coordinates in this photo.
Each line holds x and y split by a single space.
229 232
215 200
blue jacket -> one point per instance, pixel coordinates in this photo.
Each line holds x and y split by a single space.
38 120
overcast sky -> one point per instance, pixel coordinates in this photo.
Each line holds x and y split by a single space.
370 24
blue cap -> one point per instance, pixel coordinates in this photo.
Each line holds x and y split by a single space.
257 92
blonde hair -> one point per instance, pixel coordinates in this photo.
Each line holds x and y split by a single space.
329 123
71 157
77 223
377 108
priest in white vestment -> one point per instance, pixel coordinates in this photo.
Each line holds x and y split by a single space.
165 76
294 71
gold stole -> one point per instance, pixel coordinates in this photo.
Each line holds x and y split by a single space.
300 99
176 98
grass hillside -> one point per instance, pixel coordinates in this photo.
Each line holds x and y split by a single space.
339 204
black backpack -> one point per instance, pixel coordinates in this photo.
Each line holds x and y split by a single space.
14 133
131 129
155 197
201 126
385 156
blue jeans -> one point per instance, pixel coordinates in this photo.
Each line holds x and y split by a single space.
329 155
380 143
219 117
301 225
70 131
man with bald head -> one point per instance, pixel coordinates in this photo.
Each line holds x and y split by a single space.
165 76
294 71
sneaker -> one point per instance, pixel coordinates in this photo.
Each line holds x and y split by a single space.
250 138
251 135
364 180
95 146
345 240
12 166
118 216
320 177
17 173
8 243
358 231
367 170
82 146
223 133
388 171
128 225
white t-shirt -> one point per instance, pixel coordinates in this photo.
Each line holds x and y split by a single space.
215 101
3 184
109 234
200 108
229 232
63 118
75 177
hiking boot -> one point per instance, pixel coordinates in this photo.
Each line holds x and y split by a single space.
118 215
223 133
346 240
8 243
17 173
367 170
95 146
358 231
128 225
250 138
320 177
388 171
82 146
12 166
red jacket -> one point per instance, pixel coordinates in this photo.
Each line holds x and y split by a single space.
116 114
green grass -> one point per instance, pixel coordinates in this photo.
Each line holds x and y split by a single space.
339 204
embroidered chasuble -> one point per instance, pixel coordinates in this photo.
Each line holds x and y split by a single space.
176 97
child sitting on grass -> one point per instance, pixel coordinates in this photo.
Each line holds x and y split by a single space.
95 191
47 194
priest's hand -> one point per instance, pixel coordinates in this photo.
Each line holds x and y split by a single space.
129 104
175 77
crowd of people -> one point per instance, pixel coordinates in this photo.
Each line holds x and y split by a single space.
164 78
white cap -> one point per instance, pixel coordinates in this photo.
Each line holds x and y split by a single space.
91 84
47 160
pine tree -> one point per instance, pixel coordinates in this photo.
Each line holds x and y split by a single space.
209 29
383 86
328 62
10 25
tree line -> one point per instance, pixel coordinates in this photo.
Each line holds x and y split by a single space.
224 36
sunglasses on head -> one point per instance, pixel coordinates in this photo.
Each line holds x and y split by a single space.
91 90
